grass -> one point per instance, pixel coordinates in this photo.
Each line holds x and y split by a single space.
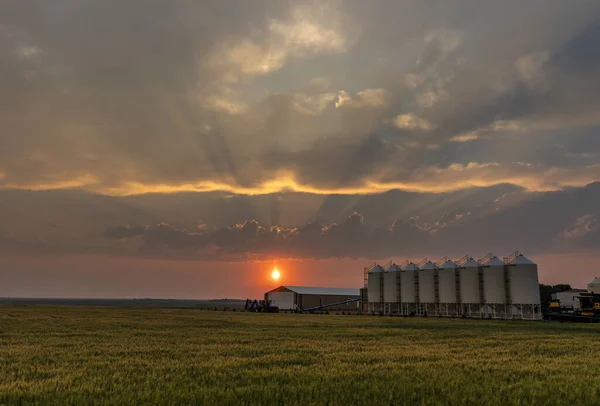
77 355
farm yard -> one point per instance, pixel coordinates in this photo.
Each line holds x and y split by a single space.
94 355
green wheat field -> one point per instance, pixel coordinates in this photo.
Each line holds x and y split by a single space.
93 355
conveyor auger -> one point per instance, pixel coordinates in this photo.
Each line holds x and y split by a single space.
298 309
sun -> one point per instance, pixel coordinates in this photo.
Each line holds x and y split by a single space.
275 275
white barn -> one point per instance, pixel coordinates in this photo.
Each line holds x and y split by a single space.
305 297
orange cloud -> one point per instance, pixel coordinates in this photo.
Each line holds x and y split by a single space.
428 180
433 179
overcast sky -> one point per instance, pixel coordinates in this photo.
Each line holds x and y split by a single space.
219 132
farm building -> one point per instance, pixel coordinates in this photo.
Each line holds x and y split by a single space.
489 287
288 297
568 297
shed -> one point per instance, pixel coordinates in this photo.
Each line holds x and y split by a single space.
568 297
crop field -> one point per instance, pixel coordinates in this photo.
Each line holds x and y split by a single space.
91 355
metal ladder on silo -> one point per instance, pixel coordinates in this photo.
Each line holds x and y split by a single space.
436 279
382 285
398 288
481 281
417 296
367 270
460 262
402 265
507 266
436 284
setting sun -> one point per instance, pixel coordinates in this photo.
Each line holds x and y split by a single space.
275 275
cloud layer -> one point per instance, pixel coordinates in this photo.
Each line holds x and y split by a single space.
222 227
317 97
310 129
467 225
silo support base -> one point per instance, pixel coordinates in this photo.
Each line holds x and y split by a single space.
466 310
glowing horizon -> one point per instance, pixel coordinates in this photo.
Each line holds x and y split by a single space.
286 182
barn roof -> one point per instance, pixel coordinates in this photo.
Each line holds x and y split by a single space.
573 291
308 290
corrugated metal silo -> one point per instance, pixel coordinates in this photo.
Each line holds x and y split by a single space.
374 282
594 285
390 284
469 281
447 282
494 288
408 279
426 275
524 283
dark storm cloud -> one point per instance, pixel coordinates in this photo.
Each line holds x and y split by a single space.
393 224
348 238
536 225
275 210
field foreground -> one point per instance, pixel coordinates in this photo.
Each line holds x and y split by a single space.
76 355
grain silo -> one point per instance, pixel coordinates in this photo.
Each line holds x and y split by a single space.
427 289
494 287
375 286
391 288
523 294
523 280
409 287
470 288
594 285
506 288
447 282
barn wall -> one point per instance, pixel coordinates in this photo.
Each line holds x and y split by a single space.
308 301
283 300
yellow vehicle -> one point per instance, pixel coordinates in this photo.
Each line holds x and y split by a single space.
555 305
588 310
589 304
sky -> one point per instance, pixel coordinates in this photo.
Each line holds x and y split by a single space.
185 149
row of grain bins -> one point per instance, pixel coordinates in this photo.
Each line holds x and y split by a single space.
489 287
